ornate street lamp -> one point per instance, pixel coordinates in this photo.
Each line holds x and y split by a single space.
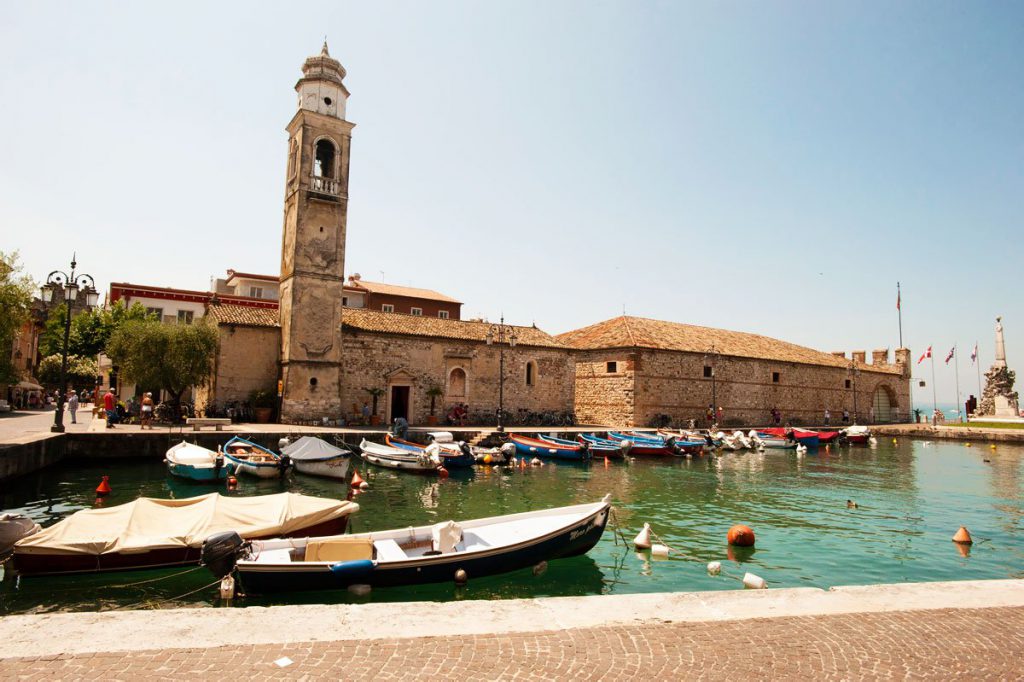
712 354
61 287
503 334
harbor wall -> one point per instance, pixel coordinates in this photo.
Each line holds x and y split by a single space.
18 459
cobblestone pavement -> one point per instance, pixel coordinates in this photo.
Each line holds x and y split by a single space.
938 644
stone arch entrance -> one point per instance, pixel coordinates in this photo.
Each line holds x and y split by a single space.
883 404
399 394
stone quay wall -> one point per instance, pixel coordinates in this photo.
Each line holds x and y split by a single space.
382 360
647 383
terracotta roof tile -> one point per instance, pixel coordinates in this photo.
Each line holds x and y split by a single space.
639 332
395 290
361 319
243 315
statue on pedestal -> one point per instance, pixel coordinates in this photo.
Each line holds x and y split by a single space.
999 399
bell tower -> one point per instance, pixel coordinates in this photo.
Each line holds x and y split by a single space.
313 245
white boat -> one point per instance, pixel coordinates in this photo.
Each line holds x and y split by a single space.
195 463
396 458
251 458
317 457
14 527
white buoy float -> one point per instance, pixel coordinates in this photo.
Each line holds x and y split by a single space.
659 551
754 582
227 587
643 538
714 567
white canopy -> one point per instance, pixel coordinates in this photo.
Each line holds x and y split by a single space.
149 523
311 449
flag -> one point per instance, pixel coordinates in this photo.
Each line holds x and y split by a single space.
897 298
974 353
924 356
950 355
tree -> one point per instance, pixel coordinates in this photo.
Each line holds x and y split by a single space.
16 292
170 356
90 330
81 371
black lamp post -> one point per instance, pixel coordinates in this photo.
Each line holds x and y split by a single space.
61 286
501 333
712 353
854 372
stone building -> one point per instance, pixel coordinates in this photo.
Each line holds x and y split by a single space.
630 369
248 355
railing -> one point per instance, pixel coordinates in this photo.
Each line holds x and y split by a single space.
322 185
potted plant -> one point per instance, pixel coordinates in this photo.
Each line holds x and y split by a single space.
263 405
375 393
434 392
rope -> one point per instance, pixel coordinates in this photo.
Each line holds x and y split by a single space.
156 580
164 601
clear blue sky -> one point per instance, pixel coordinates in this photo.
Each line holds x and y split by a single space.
767 167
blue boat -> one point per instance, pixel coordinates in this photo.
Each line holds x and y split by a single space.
534 447
605 449
195 463
452 456
409 556
254 459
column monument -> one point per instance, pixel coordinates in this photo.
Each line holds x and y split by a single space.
999 399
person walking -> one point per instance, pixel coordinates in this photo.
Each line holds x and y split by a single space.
146 413
73 407
828 417
846 416
110 407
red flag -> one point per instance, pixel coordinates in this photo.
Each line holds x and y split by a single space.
924 356
897 299
950 356
974 353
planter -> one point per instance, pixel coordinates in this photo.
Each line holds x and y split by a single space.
263 414
375 420
431 420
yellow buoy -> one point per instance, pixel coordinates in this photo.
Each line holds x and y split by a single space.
993 446
894 441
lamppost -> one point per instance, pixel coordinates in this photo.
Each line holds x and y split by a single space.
854 372
68 285
501 333
712 353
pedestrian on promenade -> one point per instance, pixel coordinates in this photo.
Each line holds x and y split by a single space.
828 417
846 416
110 407
366 413
776 416
146 415
719 415
709 414
73 406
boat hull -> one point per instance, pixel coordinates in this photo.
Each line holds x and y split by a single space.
529 447
413 464
204 474
329 468
574 540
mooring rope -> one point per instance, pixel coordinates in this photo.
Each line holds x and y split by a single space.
164 601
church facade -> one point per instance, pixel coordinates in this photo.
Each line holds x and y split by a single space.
328 357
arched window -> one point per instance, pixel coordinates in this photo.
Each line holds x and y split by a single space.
457 383
323 164
531 373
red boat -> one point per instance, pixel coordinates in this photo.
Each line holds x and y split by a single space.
644 445
857 434
802 434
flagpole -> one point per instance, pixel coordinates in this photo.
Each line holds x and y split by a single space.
956 367
977 364
935 398
899 311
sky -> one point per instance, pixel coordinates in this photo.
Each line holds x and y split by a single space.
772 167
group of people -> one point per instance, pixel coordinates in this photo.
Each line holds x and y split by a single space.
117 411
458 414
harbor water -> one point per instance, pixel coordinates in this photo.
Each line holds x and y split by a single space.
911 497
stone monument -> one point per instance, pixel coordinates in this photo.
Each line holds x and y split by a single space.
999 399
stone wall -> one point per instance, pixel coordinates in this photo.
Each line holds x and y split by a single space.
649 383
382 360
247 360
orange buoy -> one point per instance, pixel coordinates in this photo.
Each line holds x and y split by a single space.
103 489
442 472
963 537
232 482
357 480
741 536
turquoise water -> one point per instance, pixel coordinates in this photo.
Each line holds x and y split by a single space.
911 496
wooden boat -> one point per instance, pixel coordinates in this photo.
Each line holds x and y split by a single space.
644 445
251 458
452 456
603 447
316 457
395 458
14 527
857 434
534 447
808 438
155 533
613 450
411 556
195 463
778 443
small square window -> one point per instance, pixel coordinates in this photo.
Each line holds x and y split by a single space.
256 292
612 367
708 372
443 314
344 300
184 317
847 383
775 377
159 312
416 311
387 308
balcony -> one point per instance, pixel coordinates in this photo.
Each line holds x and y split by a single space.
318 184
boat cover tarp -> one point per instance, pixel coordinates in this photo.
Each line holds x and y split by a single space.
311 449
149 523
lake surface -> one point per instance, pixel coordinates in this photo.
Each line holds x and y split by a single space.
911 495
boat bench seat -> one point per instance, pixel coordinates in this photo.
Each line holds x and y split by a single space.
389 550
471 541
276 556
339 549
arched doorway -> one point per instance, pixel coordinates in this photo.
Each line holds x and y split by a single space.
882 405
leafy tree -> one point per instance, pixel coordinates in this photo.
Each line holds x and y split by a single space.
81 371
171 356
90 330
16 290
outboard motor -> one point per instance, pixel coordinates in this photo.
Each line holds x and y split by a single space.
508 451
221 551
466 450
283 463
283 443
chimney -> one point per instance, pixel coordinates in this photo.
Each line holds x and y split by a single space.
880 356
839 354
860 356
